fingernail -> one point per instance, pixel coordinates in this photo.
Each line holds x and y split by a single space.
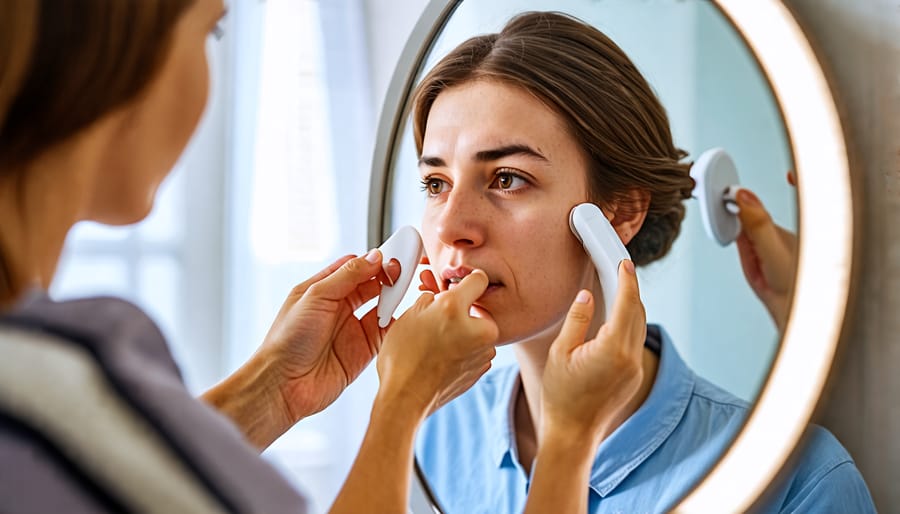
583 296
372 256
629 266
746 197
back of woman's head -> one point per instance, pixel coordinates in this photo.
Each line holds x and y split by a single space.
64 64
608 106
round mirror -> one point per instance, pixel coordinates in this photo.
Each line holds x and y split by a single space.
717 70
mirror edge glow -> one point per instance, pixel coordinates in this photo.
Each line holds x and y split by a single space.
826 248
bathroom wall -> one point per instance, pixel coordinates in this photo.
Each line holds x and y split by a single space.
860 42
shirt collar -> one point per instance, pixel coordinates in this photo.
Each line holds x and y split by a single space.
633 442
648 428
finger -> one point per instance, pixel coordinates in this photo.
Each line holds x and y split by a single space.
429 283
301 288
470 288
792 178
390 272
424 260
756 223
576 324
349 276
374 333
628 310
365 292
750 264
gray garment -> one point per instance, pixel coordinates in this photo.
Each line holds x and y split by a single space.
40 472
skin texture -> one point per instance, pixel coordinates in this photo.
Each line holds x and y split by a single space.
501 173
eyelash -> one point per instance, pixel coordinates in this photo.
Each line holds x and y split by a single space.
425 182
217 31
509 172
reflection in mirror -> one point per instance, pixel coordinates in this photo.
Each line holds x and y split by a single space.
715 96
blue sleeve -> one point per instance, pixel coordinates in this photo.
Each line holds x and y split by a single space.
841 489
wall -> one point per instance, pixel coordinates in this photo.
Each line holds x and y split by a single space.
860 41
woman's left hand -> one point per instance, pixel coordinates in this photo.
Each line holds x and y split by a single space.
319 347
314 349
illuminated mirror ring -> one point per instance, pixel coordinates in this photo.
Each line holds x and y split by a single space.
826 226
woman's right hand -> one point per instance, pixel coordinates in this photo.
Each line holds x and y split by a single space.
588 384
768 255
586 391
436 350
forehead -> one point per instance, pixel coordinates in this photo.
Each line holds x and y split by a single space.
486 112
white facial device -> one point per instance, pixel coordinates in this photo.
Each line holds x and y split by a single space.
716 184
602 245
405 245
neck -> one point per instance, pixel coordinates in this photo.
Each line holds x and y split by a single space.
39 203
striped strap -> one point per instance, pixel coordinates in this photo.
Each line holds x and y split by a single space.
60 390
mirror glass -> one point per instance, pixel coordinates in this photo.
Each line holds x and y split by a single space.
716 96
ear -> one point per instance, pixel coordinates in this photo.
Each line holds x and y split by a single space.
629 213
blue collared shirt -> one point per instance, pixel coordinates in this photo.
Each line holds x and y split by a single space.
467 450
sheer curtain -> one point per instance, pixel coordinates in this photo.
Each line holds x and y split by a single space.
301 149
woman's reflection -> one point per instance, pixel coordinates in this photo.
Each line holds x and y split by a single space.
513 130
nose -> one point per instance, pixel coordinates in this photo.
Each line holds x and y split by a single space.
461 222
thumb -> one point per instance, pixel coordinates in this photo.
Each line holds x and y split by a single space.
577 322
628 311
755 219
349 276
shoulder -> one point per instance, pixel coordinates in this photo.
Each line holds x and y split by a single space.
88 391
712 398
823 478
109 328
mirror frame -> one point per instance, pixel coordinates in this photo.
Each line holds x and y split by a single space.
827 225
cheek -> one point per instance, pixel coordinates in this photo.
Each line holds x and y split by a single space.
188 98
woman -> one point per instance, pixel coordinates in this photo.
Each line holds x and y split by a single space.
97 101
513 130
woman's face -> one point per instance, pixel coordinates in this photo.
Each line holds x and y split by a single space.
501 173
157 126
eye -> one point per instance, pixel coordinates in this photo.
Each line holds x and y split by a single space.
433 186
508 181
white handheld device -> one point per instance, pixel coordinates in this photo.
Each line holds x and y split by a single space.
405 245
603 246
716 184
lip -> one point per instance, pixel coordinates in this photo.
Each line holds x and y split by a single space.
462 272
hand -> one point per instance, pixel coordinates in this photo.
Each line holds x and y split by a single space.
768 256
316 345
437 350
587 385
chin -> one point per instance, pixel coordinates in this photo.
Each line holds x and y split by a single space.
124 214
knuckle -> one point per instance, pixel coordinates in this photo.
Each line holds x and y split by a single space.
578 316
354 265
316 289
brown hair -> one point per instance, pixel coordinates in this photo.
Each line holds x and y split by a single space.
607 104
66 63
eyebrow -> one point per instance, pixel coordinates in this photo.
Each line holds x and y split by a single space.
488 155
